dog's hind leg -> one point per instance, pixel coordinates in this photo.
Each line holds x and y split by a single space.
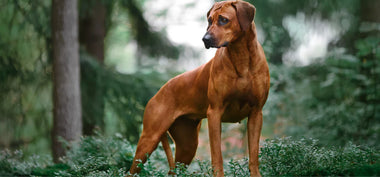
184 132
168 151
156 122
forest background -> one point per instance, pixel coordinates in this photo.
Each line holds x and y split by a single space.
324 59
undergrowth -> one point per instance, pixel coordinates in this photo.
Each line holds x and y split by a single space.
112 156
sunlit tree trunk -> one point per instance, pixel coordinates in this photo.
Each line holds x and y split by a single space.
66 92
92 33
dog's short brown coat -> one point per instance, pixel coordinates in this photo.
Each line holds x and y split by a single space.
230 87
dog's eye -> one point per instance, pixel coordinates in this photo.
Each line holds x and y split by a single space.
222 20
209 22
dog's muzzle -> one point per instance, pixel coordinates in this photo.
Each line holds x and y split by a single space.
208 40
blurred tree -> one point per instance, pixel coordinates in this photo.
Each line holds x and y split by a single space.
25 89
26 68
95 20
369 62
26 104
270 19
329 100
370 12
92 31
66 89
150 43
92 27
337 100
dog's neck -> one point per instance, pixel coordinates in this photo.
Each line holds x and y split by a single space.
242 51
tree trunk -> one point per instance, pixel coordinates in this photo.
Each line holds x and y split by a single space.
66 92
369 16
92 28
370 11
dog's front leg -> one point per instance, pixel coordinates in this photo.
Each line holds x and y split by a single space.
255 122
214 131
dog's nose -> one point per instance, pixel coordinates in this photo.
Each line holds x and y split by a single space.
207 40
207 37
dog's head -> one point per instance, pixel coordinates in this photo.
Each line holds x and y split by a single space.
226 22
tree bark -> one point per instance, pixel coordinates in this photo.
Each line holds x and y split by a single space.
92 31
66 91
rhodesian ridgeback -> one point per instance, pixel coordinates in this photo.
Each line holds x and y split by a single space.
230 87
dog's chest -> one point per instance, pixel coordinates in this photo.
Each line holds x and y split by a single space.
229 86
236 111
243 84
238 87
238 97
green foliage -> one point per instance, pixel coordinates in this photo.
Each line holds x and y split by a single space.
101 156
25 90
197 169
17 164
97 153
237 168
92 156
335 101
26 72
287 157
124 95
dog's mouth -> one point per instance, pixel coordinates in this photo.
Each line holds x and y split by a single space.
207 45
225 44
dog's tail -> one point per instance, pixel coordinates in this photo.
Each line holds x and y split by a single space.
168 151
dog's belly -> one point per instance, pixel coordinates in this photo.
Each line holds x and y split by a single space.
236 112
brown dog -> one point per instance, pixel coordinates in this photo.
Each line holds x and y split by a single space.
230 87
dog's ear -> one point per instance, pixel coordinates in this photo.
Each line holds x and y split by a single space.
208 13
245 13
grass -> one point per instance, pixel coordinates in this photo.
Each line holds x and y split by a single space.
112 156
